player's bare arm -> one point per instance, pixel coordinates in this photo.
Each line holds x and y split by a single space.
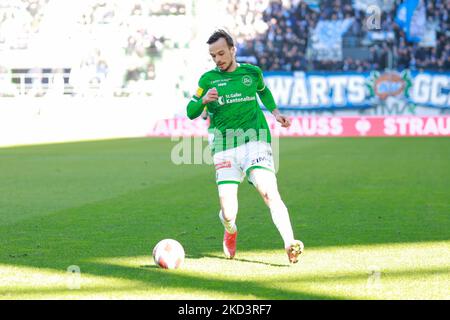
285 122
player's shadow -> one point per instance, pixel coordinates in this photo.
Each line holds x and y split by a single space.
149 266
240 260
207 255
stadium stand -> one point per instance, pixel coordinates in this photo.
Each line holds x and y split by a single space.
128 57
285 43
278 35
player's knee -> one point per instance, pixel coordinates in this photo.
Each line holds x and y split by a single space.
228 201
229 208
266 183
271 196
229 215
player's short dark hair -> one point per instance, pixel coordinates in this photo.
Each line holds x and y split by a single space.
221 34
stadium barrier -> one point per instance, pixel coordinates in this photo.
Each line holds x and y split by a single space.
37 121
63 119
372 126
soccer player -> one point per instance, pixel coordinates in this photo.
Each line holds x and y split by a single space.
241 138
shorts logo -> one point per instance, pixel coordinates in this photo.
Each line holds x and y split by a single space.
247 80
258 160
222 165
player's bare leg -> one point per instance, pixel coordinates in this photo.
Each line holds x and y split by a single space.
227 215
266 183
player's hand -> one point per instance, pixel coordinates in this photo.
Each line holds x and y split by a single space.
285 122
210 96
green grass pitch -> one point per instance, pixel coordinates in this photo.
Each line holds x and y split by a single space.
374 215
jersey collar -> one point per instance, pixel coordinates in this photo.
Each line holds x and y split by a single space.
237 66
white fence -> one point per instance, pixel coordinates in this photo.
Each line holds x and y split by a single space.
39 84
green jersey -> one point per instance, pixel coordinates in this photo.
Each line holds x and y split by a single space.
235 117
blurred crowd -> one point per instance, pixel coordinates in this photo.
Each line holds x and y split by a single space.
133 49
433 58
274 34
139 45
18 19
283 45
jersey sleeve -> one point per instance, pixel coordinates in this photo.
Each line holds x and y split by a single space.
260 84
202 88
195 106
264 93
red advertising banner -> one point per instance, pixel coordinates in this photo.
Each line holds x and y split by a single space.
371 126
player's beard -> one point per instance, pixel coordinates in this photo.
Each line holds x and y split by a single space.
228 67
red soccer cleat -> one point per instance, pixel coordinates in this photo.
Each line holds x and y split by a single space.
229 244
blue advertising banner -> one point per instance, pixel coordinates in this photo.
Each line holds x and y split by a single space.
344 90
